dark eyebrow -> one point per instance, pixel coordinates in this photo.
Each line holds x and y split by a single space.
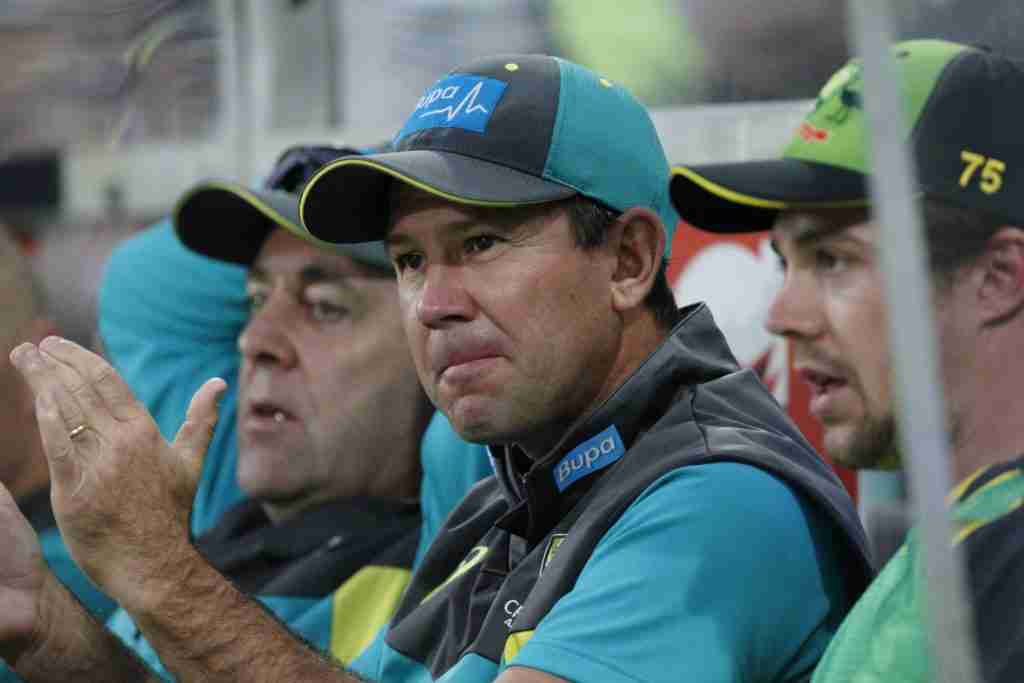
803 237
453 228
319 273
311 274
256 274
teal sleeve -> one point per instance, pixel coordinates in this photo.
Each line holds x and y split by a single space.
169 320
367 664
451 467
717 572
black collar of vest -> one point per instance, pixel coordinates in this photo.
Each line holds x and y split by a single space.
694 352
246 529
36 508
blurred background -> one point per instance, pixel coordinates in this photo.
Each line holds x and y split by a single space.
109 109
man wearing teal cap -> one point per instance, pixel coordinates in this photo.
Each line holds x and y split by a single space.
654 512
963 109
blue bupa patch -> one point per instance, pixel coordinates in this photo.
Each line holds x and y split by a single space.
590 456
456 102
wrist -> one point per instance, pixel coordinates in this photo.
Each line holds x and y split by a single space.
145 588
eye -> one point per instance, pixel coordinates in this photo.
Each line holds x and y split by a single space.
326 312
255 301
410 261
479 243
828 261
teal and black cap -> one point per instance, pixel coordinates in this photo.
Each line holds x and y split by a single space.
962 109
229 222
504 131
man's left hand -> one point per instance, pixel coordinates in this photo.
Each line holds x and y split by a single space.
121 494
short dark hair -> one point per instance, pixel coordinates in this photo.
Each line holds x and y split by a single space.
955 236
591 221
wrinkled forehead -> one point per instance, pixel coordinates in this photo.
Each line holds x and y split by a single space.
285 255
414 210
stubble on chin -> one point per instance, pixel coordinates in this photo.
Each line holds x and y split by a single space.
872 446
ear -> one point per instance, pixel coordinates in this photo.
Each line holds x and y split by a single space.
1001 275
638 238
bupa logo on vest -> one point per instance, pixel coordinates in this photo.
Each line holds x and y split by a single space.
459 101
590 456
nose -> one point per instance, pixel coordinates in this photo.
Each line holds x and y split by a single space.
443 297
795 311
265 340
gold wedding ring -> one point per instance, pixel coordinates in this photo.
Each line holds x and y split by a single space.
77 431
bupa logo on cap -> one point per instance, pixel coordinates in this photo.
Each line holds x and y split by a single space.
459 101
590 456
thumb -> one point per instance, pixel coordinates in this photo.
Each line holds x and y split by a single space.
196 433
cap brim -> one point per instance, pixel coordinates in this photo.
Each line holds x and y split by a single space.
230 222
348 199
747 196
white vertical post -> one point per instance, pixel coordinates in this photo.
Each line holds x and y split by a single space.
913 347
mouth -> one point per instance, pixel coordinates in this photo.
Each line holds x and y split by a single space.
830 399
822 382
265 414
454 364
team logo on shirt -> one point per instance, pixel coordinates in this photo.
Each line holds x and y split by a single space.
475 557
590 456
554 543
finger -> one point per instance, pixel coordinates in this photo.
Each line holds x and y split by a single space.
99 374
195 434
78 388
6 499
57 445
40 373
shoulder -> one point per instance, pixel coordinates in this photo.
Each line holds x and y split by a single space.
731 491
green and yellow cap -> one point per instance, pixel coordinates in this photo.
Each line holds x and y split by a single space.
962 106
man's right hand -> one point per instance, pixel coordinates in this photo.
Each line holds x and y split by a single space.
23 577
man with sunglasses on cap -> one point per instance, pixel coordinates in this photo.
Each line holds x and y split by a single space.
654 513
331 518
962 106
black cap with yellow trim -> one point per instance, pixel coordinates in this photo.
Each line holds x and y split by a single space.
229 222
962 107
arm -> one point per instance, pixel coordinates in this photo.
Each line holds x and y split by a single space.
205 630
122 495
45 634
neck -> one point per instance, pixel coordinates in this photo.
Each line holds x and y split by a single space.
987 425
641 337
